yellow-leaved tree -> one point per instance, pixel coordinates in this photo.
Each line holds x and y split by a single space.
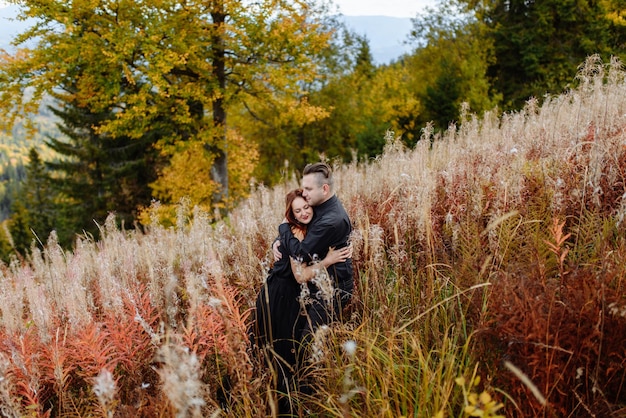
188 177
172 69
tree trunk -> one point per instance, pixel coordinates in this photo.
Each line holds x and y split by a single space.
219 171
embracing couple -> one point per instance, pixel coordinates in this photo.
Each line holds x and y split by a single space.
312 257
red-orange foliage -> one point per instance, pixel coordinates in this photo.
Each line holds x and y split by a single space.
25 352
204 332
133 347
562 335
92 350
55 377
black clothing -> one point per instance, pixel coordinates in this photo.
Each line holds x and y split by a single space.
276 323
330 227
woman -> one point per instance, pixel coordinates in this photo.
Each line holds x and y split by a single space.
278 318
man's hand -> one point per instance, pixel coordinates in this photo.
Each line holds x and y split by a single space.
276 251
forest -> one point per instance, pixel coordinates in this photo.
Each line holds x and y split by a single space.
111 110
109 114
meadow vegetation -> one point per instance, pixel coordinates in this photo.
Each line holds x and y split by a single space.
490 281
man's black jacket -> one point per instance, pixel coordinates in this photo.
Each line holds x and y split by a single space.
330 227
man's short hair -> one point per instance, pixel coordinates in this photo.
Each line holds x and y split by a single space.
323 173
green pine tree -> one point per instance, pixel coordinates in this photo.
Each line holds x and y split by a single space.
442 100
98 174
6 248
539 45
33 209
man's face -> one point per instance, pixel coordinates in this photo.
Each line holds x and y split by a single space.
313 193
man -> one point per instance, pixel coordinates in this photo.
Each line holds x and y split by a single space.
330 227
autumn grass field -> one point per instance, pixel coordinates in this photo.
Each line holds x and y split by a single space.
489 281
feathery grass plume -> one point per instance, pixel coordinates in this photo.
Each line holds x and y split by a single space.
350 388
80 283
55 288
318 345
194 264
368 261
305 296
257 218
104 388
325 287
616 310
9 406
156 254
39 300
11 293
108 278
180 379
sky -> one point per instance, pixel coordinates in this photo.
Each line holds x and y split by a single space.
395 8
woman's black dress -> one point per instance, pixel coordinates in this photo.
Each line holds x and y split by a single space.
278 321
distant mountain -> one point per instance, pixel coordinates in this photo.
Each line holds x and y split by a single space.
385 34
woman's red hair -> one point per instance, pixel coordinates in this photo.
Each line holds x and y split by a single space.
291 218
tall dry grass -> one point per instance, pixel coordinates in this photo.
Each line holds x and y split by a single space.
489 270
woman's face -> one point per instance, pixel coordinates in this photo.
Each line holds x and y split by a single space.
301 210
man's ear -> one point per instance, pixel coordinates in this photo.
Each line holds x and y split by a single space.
326 188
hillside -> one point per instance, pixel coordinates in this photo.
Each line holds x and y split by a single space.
489 281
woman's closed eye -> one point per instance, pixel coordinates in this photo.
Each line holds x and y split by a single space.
300 210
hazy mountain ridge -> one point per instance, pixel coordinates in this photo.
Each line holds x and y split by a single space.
385 34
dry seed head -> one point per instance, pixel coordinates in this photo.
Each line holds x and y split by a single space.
180 376
350 348
325 286
305 295
318 352
104 388
616 310
214 302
